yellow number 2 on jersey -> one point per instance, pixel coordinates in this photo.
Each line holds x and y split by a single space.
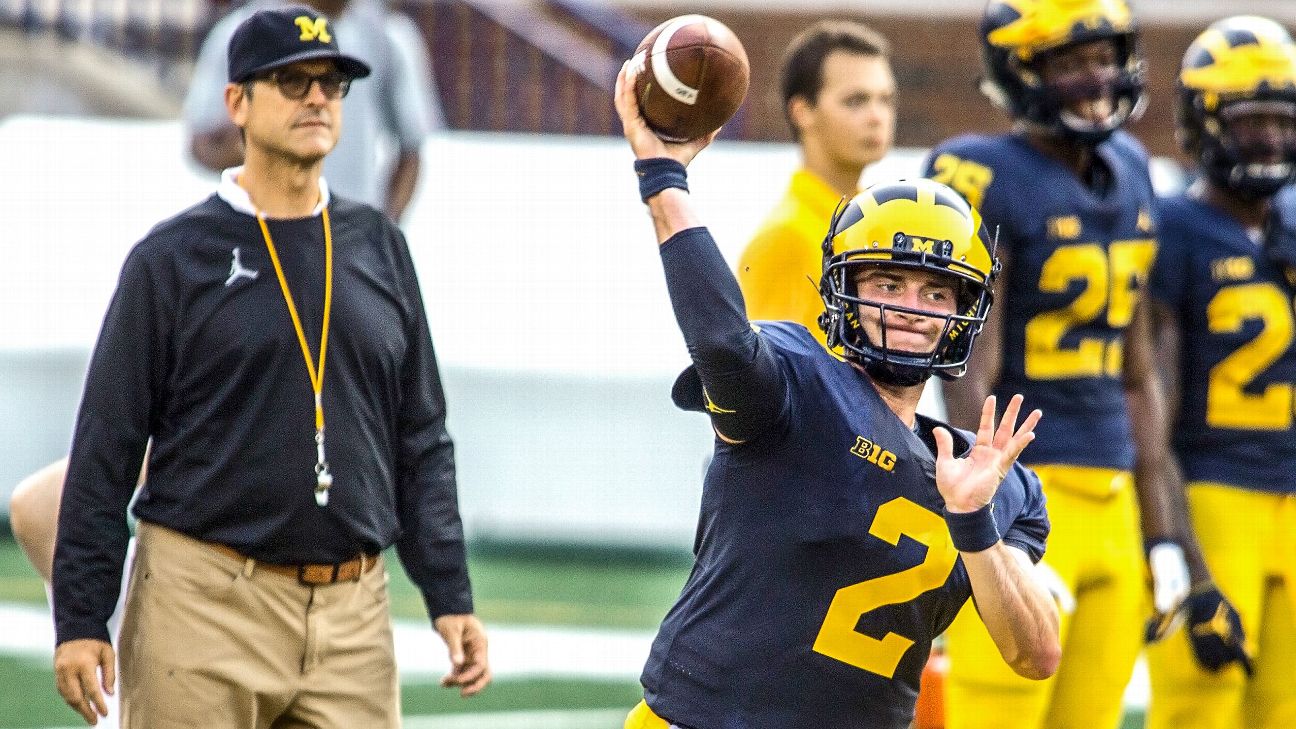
1227 403
838 637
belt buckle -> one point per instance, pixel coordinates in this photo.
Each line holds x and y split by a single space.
307 574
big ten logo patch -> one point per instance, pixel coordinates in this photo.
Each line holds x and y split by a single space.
873 453
1233 268
1065 227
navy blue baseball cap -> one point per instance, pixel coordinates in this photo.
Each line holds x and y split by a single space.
277 37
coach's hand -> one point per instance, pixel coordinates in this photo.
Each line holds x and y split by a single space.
643 142
969 482
1215 630
466 639
77 667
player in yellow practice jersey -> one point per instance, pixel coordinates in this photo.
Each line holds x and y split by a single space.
839 97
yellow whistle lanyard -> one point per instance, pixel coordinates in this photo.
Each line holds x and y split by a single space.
323 478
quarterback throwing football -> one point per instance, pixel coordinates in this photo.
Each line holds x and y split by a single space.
840 531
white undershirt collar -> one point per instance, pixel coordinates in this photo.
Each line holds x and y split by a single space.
231 192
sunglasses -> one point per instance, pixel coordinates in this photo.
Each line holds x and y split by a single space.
295 85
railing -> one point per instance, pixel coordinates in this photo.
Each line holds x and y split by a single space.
165 30
515 66
543 66
623 32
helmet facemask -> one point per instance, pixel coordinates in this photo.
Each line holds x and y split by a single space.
1244 157
1115 82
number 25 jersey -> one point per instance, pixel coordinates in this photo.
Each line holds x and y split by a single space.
1077 263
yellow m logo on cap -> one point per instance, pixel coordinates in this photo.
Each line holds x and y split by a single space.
313 28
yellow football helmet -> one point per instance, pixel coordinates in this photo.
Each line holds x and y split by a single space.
913 224
1015 33
1239 65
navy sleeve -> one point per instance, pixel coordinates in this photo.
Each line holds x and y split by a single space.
123 385
743 388
431 542
1029 531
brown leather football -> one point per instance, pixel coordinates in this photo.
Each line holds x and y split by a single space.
693 77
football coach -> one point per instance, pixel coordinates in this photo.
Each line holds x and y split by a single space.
272 343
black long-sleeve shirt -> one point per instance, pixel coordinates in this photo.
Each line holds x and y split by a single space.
206 362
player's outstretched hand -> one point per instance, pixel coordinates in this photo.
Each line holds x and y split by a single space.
465 637
643 142
78 665
969 482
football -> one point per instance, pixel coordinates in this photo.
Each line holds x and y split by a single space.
693 76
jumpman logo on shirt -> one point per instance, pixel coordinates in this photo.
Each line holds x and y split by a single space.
237 270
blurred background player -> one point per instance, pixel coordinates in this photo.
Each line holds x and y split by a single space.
1223 283
822 466
839 97
377 160
1069 193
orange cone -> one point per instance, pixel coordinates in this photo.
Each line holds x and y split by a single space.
930 711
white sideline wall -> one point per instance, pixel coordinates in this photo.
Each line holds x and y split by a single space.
544 292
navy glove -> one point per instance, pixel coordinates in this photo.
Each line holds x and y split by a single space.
1215 630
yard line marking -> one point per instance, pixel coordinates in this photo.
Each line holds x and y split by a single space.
554 719
516 651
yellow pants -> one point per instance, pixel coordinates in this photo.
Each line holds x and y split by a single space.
1096 549
642 717
1249 541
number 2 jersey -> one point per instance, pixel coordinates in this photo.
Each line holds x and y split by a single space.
1237 360
823 564
1077 264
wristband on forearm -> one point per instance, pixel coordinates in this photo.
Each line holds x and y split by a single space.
659 173
973 531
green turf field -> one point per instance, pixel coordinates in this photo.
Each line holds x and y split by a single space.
574 588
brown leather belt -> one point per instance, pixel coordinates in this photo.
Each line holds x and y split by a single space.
309 574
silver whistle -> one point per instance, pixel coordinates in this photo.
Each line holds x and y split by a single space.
323 480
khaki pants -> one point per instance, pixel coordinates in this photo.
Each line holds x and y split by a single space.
208 641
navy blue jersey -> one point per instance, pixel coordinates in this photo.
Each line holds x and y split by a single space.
1077 263
823 564
1237 358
